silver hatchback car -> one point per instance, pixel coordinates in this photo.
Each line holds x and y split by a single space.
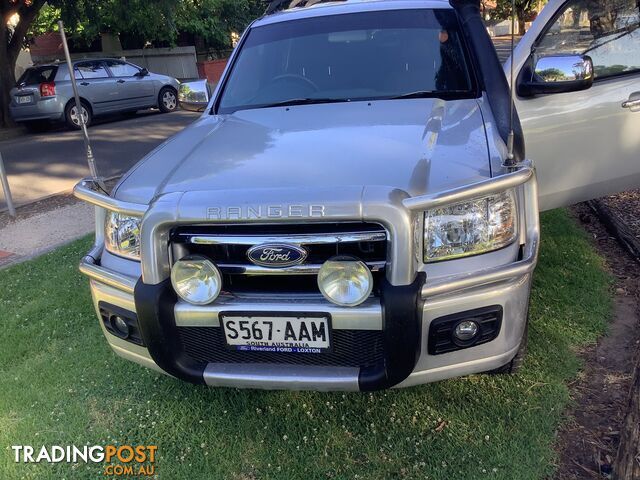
44 93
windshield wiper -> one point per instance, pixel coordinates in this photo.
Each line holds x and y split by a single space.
304 101
443 94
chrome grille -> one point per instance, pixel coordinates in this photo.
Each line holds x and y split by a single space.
227 246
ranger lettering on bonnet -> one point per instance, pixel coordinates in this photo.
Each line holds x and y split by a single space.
352 210
265 211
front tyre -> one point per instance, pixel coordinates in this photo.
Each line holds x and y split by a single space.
71 115
167 100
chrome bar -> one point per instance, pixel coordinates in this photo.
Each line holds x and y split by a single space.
87 190
313 239
89 267
281 377
455 283
477 279
479 189
311 269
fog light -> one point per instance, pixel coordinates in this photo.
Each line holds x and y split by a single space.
345 281
196 280
466 330
120 326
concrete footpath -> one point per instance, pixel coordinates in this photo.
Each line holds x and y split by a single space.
36 232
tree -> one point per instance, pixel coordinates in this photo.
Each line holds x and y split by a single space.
16 16
140 21
525 11
215 20
84 21
149 20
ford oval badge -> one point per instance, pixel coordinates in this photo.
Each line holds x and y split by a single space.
276 255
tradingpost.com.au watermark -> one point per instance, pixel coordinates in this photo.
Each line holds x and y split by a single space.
118 460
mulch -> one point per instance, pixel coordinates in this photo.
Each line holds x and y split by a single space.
589 441
626 206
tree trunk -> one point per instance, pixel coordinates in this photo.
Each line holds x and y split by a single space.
627 463
10 46
521 26
7 76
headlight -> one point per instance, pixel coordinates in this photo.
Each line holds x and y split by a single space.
345 281
196 280
468 228
122 235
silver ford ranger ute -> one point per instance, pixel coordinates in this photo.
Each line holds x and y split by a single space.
354 209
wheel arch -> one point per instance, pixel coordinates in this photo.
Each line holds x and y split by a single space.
166 86
82 99
162 87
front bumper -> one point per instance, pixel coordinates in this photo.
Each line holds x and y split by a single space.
403 313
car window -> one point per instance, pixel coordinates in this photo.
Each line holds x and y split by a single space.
608 31
92 70
362 56
38 75
121 69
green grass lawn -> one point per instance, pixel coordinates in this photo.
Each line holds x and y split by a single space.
61 385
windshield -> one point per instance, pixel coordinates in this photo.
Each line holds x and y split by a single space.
361 56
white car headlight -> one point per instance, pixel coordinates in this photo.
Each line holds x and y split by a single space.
122 235
469 228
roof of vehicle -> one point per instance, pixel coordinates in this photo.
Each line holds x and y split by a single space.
57 63
347 6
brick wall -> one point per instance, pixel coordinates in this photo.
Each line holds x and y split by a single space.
47 45
212 69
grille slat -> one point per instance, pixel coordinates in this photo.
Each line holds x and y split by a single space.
296 239
351 348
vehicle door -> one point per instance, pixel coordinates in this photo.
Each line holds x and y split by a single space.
136 89
97 86
583 139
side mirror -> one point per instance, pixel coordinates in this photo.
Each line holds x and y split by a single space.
194 95
556 74
143 72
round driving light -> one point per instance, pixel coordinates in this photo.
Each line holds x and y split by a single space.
120 326
345 281
196 280
466 330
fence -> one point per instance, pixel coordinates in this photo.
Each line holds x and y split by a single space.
178 62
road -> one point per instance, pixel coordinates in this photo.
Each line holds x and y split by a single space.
43 164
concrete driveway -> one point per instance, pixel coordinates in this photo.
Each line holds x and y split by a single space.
43 164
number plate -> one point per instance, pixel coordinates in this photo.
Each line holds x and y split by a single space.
24 99
283 334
